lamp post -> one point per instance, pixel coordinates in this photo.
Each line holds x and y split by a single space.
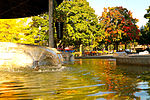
51 36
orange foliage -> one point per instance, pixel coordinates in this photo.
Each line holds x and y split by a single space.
119 21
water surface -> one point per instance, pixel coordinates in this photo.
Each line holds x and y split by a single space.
88 79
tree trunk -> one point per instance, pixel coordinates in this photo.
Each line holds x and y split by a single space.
106 47
125 46
51 36
116 46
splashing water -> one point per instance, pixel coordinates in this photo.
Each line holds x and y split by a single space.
28 56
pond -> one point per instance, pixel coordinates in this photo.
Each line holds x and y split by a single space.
83 79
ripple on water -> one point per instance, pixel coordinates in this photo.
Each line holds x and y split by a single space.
30 69
83 80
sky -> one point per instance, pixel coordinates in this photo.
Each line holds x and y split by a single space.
137 7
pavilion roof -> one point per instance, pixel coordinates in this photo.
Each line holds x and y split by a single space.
23 8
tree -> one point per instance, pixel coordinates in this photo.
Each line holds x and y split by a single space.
80 22
145 36
39 27
145 31
14 30
147 16
119 26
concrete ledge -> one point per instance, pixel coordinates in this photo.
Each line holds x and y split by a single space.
134 60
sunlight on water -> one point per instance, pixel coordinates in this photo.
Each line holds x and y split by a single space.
94 79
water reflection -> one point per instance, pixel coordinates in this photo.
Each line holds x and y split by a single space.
120 81
94 79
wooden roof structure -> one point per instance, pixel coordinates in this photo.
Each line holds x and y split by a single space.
23 8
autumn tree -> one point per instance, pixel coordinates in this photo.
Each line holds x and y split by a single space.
119 26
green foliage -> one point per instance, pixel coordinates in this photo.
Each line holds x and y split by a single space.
147 16
80 22
14 30
145 36
145 31
38 29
